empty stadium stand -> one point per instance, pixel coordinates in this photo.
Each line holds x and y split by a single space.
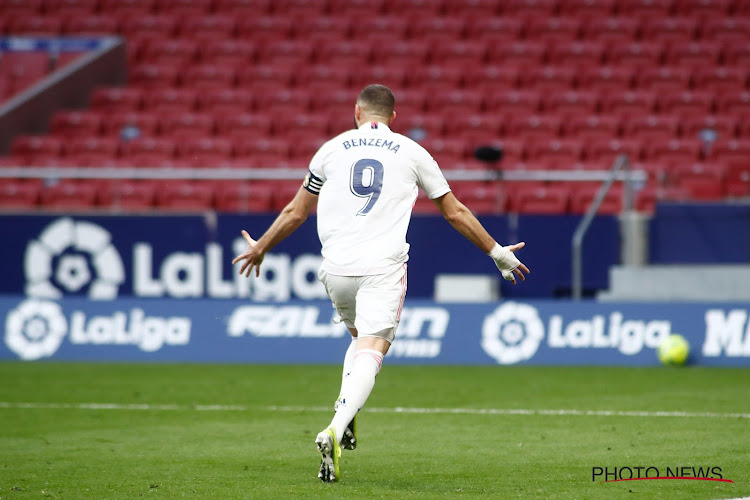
560 84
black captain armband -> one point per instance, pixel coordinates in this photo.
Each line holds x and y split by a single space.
312 183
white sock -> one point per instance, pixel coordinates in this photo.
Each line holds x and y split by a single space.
348 362
361 380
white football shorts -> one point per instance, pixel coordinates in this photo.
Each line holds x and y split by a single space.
371 304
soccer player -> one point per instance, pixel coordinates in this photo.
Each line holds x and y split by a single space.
365 183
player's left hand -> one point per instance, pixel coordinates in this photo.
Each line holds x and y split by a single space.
252 257
508 264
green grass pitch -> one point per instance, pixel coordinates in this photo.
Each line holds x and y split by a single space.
255 440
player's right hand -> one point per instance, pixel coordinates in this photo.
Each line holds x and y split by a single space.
252 257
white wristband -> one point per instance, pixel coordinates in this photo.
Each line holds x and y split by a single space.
505 261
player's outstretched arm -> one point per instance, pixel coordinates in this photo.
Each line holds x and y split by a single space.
465 223
292 217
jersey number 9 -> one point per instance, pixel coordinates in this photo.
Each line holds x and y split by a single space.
366 181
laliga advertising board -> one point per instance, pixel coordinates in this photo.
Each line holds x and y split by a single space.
509 333
105 288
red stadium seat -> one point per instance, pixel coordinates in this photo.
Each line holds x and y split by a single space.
187 124
674 152
383 27
433 127
436 76
652 127
359 8
263 27
735 103
556 154
243 197
737 180
694 55
732 152
670 30
390 76
304 146
19 194
687 103
230 100
161 26
205 150
172 6
114 99
149 146
290 52
577 54
605 152
343 52
128 195
493 77
284 101
209 76
539 200
514 103
523 54
664 79
247 7
76 123
549 79
645 9
481 197
276 150
208 27
124 8
455 102
446 151
592 127
337 26
142 123
102 146
168 100
553 30
92 25
229 52
724 126
26 146
70 195
726 29
427 8
25 65
243 124
722 79
570 104
611 30
529 8
534 127
309 124
14 8
279 75
486 123
402 53
185 196
636 54
703 181
149 75
323 75
582 197
629 104
606 79
703 8
494 29
36 25
472 8
461 52
586 9
737 53
174 51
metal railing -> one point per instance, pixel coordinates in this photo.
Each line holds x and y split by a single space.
620 171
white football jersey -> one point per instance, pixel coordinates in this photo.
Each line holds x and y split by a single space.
367 181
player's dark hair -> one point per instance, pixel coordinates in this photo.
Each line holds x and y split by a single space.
377 99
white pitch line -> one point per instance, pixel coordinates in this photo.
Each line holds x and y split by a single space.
397 409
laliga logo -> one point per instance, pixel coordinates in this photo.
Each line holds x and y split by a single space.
63 257
35 329
512 333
